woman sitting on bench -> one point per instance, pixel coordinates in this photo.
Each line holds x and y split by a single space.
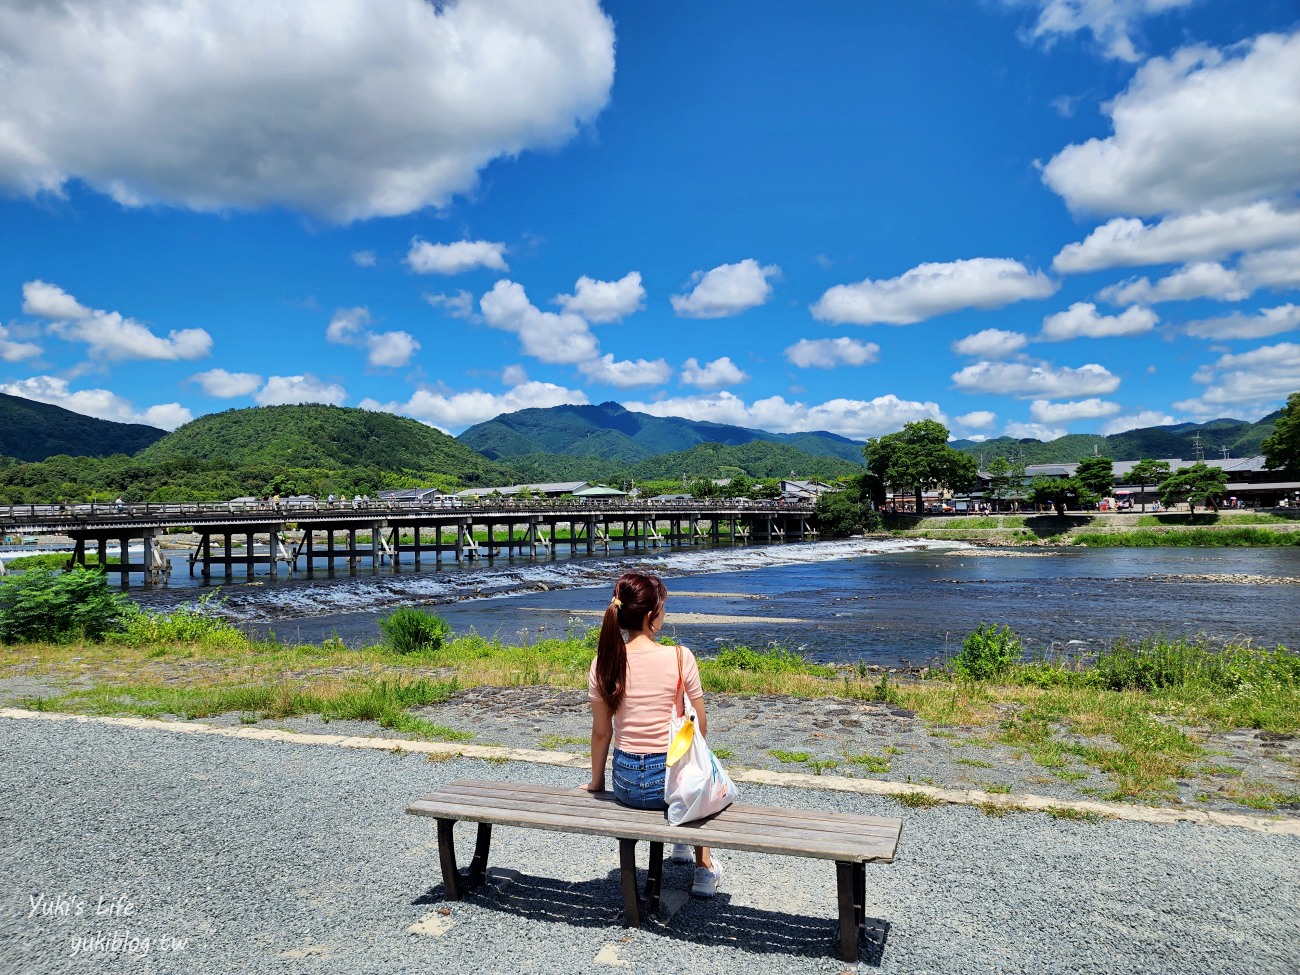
631 686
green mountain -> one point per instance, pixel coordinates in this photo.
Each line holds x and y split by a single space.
1239 437
612 433
756 459
32 431
324 437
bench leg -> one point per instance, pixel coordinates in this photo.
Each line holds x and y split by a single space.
653 877
456 885
627 870
847 877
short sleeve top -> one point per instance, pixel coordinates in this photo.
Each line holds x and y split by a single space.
641 722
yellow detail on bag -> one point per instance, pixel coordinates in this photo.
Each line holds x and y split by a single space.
681 742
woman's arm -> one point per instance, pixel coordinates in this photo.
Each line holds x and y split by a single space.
602 731
698 704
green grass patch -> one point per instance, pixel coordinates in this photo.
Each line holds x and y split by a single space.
781 755
552 742
872 763
1076 815
916 800
1245 537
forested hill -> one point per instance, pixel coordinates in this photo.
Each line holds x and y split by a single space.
324 437
32 431
1241 438
613 433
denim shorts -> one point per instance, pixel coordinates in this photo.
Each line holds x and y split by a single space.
639 779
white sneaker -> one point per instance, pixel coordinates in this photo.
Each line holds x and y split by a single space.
706 880
682 853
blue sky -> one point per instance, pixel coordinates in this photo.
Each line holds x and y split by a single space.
1024 217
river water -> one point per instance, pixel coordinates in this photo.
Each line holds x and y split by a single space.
874 601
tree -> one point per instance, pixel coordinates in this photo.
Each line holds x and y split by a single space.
1096 475
1282 448
918 457
1146 472
1005 478
1060 493
1197 484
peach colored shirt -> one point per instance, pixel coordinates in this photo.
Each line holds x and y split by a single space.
641 722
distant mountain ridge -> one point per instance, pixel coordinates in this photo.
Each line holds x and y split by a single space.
611 432
32 431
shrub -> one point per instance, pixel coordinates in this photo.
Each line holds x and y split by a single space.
414 631
1156 663
47 606
987 652
771 660
184 624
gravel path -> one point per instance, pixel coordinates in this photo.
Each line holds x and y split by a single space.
271 857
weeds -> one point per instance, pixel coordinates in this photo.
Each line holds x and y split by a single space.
409 630
916 800
987 652
789 757
871 763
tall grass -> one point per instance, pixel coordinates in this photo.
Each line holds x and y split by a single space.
1188 538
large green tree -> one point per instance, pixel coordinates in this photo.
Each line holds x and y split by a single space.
1006 479
1096 474
1196 484
918 458
1147 472
1061 493
1282 449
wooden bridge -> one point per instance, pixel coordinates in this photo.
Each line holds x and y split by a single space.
391 534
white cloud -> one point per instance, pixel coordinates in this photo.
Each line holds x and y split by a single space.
978 419
928 290
1272 269
1136 421
1035 379
455 258
550 337
456 411
1239 325
227 385
829 353
1033 431
15 351
727 290
713 375
991 343
1111 23
514 375
628 373
1202 128
282 390
1204 279
847 417
1260 379
343 108
364 258
1081 320
458 305
107 334
348 326
1202 236
605 301
101 403
1086 409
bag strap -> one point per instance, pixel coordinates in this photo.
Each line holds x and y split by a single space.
679 695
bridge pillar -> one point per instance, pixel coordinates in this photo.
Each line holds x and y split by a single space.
376 538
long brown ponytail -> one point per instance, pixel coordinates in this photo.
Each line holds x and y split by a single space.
636 597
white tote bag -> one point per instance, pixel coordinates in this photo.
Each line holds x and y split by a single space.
695 785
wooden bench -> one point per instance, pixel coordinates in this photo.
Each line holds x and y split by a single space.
851 841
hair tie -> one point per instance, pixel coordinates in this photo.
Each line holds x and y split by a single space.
616 603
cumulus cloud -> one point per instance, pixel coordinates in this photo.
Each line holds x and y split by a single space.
458 305
991 343
627 373
829 353
364 258
453 412
713 375
514 375
107 334
928 290
282 390
227 385
847 417
1086 409
978 419
421 96
1027 380
1239 325
1201 236
101 403
349 326
1260 379
12 350
727 290
545 335
605 301
1278 268
1033 431
1082 320
1112 23
1205 279
455 258
1202 128
1136 421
